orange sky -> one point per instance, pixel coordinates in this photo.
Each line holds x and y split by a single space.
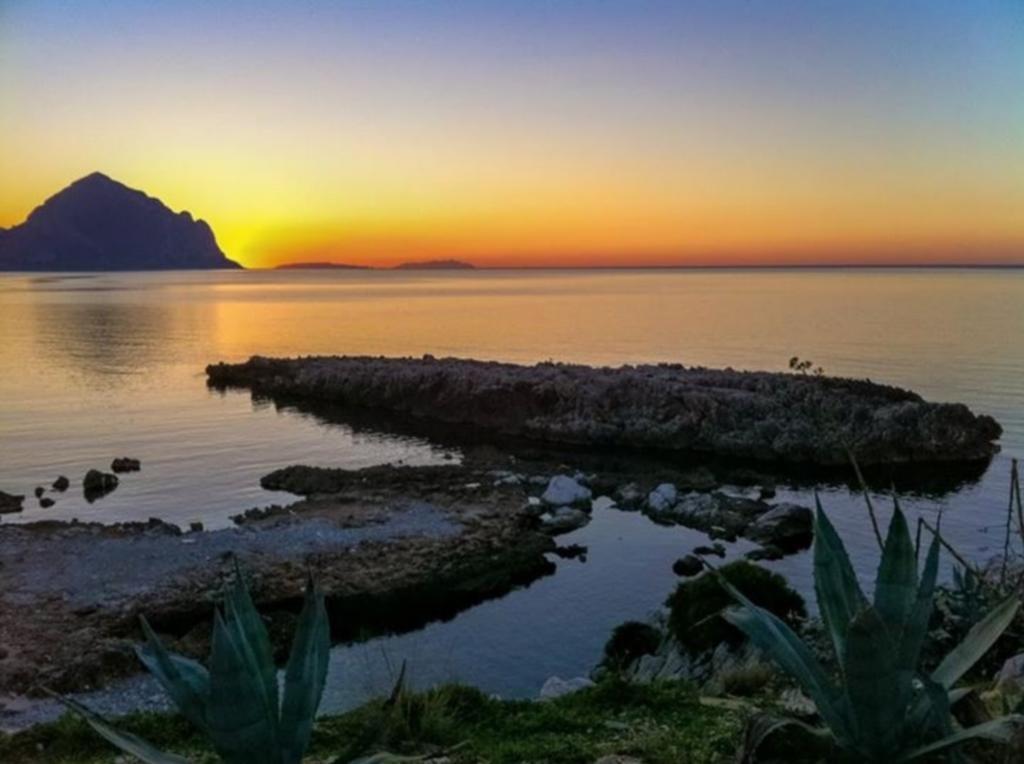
715 135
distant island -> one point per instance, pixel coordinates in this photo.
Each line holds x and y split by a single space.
421 265
99 224
321 266
436 265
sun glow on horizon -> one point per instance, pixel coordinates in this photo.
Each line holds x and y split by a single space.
716 134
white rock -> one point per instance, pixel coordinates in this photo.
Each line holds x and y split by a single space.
1012 672
662 498
563 490
556 687
602 503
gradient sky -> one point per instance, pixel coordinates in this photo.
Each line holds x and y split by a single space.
535 133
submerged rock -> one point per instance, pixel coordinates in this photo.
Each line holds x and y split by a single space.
563 490
10 503
61 484
45 502
753 415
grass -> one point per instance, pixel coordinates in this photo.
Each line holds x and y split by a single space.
657 723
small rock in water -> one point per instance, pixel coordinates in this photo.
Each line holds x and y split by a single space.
767 552
767 491
629 496
96 484
195 527
562 491
46 501
125 464
688 566
662 498
602 503
40 491
572 552
556 687
61 484
716 549
10 503
787 526
564 520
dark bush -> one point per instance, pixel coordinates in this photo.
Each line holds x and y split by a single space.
695 605
629 641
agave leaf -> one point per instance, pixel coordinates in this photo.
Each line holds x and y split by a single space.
929 717
126 741
765 724
305 676
186 681
839 595
977 642
878 688
999 730
896 582
238 719
776 638
252 637
915 630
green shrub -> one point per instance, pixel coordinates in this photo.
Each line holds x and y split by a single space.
630 641
696 605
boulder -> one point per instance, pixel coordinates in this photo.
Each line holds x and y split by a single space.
39 491
564 520
46 502
662 498
563 490
10 503
687 566
556 687
786 526
602 503
716 549
96 484
125 464
61 484
629 496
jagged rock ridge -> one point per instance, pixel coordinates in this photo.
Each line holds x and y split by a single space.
752 415
98 224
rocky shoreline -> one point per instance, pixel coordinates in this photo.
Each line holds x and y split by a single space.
769 417
387 558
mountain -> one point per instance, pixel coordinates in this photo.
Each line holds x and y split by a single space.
436 265
98 224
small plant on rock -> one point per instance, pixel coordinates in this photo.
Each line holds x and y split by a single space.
236 701
881 707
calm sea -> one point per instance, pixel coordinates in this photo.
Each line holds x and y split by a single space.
97 366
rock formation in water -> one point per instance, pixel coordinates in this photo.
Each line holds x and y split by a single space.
752 415
98 224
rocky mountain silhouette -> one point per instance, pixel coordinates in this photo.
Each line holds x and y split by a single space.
98 224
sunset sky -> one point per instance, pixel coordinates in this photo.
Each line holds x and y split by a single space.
535 133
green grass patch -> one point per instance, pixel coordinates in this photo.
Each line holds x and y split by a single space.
659 723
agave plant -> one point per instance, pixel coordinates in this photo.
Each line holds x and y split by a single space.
881 706
236 702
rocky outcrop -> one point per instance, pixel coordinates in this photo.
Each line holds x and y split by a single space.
98 224
752 415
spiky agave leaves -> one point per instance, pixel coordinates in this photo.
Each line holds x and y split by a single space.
880 707
236 702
